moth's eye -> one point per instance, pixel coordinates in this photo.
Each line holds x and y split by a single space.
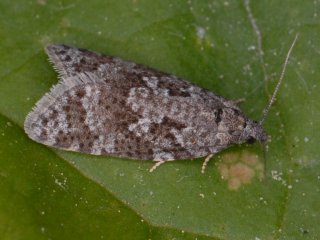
251 140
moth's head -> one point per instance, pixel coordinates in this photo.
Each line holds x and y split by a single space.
252 132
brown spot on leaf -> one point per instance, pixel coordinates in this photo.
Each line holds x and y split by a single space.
240 168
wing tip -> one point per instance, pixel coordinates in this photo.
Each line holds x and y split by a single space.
55 53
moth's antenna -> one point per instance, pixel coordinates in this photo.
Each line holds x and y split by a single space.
273 98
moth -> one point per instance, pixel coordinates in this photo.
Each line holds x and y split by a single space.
103 105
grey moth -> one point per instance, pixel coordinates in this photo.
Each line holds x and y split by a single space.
103 105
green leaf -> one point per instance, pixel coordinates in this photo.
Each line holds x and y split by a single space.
51 194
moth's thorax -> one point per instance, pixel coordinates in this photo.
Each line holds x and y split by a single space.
235 127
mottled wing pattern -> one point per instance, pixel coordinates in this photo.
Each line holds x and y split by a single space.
106 106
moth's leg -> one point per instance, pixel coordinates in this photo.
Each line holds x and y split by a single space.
205 163
157 164
239 101
234 103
